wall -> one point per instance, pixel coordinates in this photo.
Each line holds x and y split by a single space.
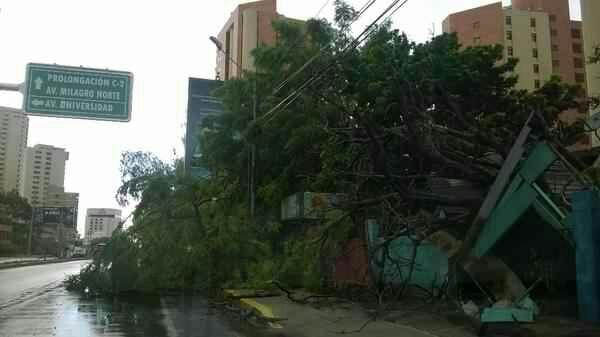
482 25
431 264
562 26
248 26
523 44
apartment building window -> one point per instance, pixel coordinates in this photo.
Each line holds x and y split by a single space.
534 52
536 68
510 51
534 37
576 33
536 84
553 32
509 35
577 48
578 62
509 20
552 18
554 47
579 77
532 22
476 25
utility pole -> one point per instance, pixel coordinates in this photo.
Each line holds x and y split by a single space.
252 162
253 156
30 230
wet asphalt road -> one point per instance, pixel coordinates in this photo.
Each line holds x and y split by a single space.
34 303
19 284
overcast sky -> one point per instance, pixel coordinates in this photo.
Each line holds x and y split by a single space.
162 43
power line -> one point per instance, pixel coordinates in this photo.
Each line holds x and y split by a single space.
354 43
322 8
358 14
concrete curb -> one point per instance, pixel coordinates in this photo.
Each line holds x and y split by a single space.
35 263
265 311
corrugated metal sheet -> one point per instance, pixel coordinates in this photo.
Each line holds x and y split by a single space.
560 179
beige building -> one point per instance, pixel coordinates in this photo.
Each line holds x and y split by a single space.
13 145
249 25
44 166
527 37
590 12
540 33
101 222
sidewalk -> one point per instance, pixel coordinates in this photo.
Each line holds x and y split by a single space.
296 320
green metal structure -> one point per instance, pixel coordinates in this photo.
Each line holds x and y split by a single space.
522 193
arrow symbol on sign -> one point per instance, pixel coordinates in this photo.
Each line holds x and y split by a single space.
37 102
38 83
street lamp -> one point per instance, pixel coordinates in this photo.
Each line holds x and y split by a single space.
252 164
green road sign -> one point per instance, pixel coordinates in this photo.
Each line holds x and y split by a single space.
71 92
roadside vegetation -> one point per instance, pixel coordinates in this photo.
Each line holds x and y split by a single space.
377 118
15 212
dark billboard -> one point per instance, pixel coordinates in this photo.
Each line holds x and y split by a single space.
66 216
202 103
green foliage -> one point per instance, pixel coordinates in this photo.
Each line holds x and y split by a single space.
388 108
15 211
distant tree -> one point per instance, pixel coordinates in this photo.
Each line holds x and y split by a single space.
15 211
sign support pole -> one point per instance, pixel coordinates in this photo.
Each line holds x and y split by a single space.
10 87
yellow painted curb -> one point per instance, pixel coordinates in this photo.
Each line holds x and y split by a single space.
264 310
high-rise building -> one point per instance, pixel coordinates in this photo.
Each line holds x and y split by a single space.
44 166
250 25
101 222
590 12
540 33
13 145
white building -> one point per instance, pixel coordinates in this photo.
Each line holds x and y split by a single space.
101 222
44 166
13 144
